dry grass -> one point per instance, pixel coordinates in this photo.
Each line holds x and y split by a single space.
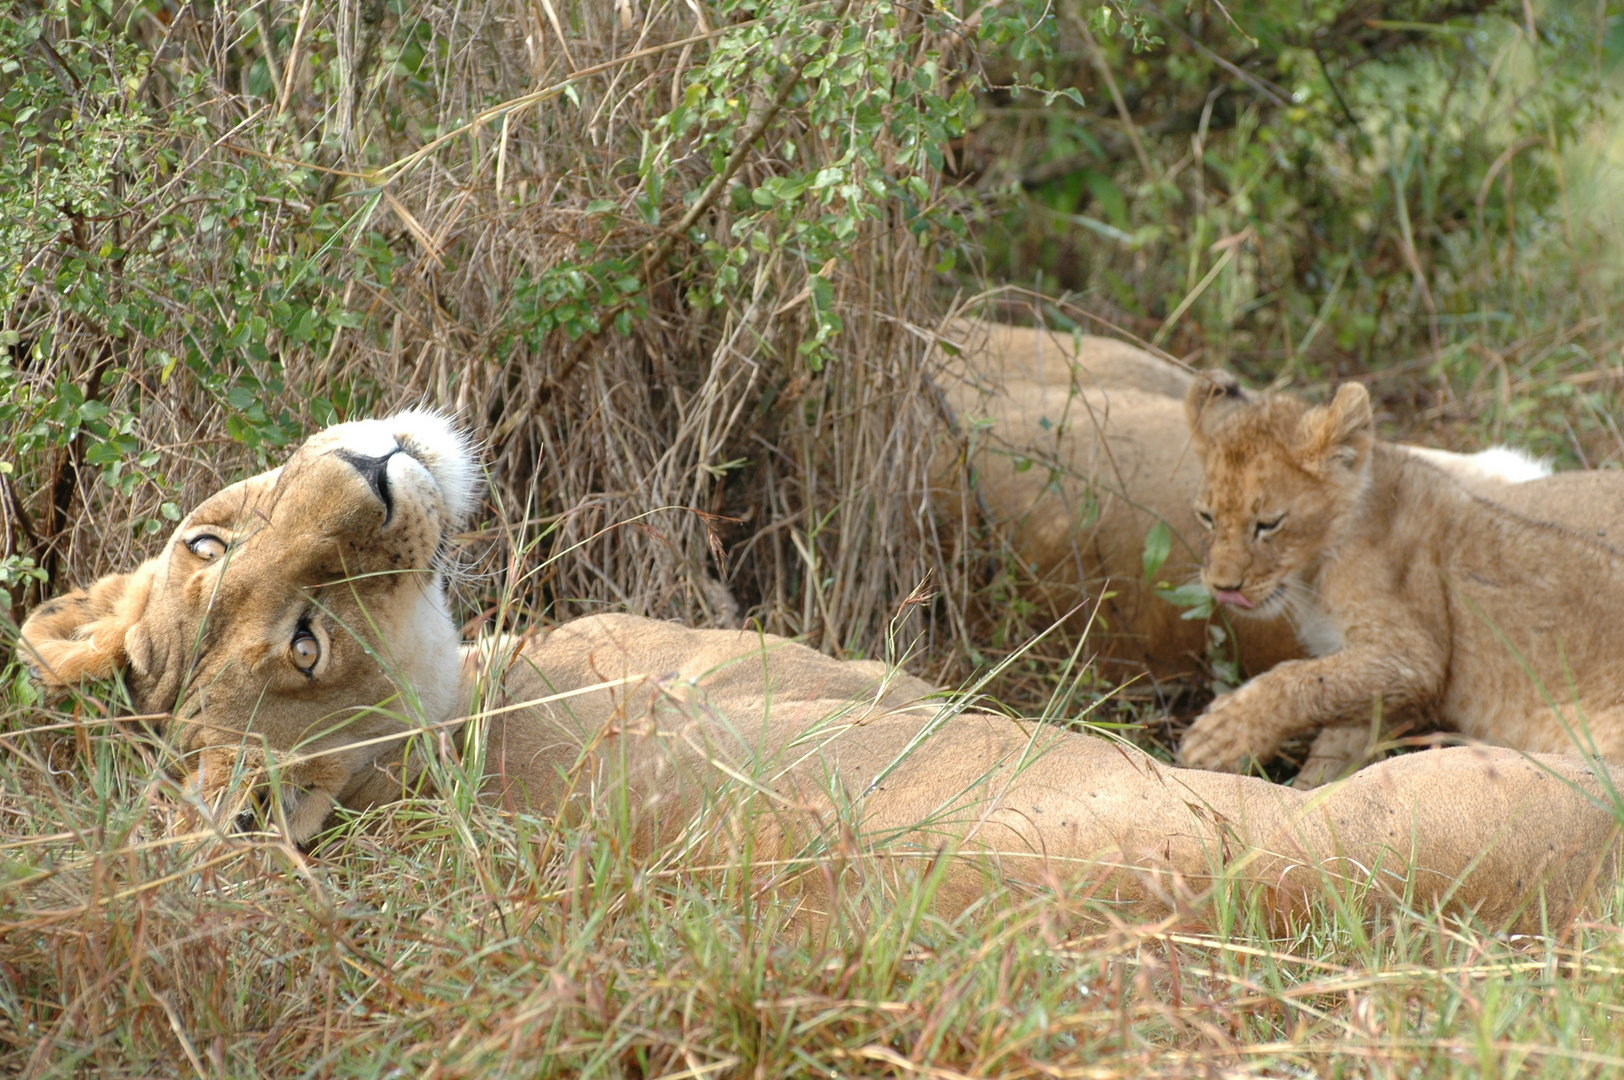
443 938
694 467
762 486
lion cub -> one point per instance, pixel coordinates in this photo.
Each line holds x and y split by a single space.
1413 596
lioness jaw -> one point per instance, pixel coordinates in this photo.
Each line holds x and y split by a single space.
298 617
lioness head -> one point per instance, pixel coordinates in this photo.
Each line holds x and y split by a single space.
1279 477
286 608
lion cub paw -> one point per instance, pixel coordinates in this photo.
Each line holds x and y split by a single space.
1227 737
1338 750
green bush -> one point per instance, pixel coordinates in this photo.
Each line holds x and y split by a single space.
1392 191
222 225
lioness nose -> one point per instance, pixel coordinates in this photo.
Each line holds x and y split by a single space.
1228 588
375 471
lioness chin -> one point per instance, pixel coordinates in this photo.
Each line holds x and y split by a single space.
297 621
1416 595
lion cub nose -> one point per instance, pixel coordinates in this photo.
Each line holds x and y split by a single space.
375 471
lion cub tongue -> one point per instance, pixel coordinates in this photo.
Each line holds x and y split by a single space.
1231 596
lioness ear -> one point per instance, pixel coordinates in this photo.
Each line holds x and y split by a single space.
1342 431
1211 397
90 634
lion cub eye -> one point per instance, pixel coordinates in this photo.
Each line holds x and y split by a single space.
1265 529
207 546
1204 518
304 650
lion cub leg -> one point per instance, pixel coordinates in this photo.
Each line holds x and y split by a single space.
1338 751
1404 675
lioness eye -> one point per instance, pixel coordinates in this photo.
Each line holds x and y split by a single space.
1204 517
1267 528
305 651
206 546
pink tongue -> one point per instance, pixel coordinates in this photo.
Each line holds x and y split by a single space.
1232 596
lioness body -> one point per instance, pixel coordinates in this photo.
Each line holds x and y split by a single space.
842 741
296 622
1419 596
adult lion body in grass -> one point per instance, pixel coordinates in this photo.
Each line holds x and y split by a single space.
1417 595
295 624
1076 446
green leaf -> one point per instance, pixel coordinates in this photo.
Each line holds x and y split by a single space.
1193 596
1158 546
822 292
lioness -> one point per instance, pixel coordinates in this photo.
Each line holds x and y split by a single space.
1415 594
1078 445
297 618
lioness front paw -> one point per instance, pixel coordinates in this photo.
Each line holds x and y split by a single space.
1225 738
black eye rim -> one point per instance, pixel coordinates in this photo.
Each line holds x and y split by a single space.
302 632
193 542
1265 529
1204 518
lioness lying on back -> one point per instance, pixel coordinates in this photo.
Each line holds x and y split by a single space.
1415 595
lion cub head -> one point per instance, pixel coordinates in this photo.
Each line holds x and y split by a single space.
293 615
1279 479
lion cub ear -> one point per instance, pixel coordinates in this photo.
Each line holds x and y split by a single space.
1212 396
90 633
1341 432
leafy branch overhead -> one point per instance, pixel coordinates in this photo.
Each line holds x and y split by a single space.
236 222
221 225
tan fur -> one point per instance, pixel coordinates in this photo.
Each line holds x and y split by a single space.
1076 447
209 639
1588 504
1440 603
669 724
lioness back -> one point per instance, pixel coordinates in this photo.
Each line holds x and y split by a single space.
998 355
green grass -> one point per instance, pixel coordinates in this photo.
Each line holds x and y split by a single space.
439 936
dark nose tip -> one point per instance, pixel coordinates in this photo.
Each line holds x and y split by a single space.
248 818
1230 588
375 471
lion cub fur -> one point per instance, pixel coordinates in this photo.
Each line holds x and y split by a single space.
1416 596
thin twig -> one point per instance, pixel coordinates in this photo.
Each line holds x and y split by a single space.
1116 95
1268 89
786 86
